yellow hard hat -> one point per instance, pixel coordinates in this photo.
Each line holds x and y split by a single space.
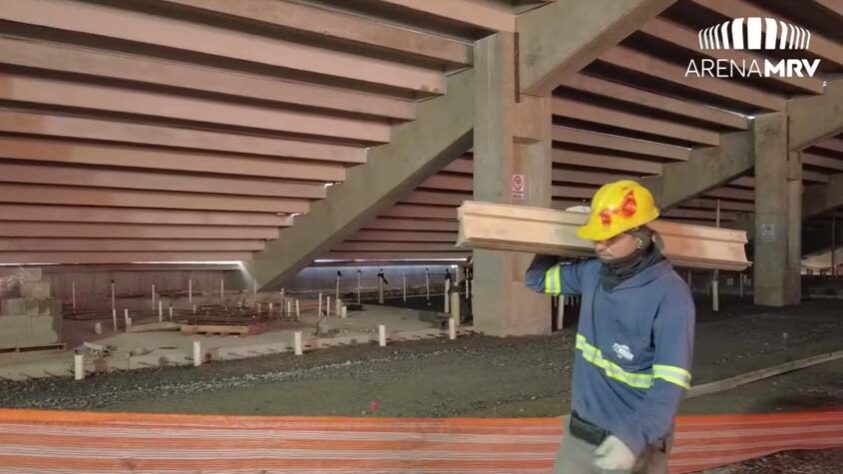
616 208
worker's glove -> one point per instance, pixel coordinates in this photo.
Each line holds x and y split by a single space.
612 454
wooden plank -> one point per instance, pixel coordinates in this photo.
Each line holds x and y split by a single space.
548 231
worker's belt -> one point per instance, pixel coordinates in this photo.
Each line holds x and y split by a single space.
587 431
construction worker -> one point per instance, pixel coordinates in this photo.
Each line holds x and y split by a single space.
634 341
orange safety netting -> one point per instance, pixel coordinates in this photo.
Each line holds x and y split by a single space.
97 443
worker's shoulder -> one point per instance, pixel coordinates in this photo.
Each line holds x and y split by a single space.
674 288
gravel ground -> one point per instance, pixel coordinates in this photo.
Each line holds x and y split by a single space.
477 376
790 462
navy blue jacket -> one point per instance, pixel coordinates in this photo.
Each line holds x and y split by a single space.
634 346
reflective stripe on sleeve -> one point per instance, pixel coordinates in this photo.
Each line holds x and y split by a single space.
553 280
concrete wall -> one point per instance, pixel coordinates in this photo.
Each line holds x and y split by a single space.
134 286
93 286
324 278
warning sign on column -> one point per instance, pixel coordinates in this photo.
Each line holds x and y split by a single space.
518 186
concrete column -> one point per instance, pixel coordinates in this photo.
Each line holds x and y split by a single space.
778 214
512 154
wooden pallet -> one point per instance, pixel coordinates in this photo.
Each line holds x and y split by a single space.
46 347
549 231
220 329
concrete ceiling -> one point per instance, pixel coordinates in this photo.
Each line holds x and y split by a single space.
177 130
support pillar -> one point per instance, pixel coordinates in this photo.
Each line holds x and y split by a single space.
512 153
778 214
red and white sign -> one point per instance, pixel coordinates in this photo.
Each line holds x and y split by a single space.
519 186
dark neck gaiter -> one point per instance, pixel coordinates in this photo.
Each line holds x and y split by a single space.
618 270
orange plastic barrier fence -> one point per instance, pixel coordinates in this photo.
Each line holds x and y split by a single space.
35 441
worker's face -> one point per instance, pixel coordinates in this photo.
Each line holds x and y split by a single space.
619 246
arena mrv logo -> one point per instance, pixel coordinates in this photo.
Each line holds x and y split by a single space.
754 34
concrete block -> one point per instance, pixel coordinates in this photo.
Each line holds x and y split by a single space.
29 330
30 307
35 289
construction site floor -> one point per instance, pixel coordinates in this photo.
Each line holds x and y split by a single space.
474 376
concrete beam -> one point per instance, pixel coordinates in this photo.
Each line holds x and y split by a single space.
778 185
707 168
436 198
512 137
619 143
151 181
490 16
46 125
402 236
588 112
643 63
111 22
384 223
127 156
821 198
84 196
358 30
605 160
127 245
99 97
832 144
415 211
417 150
820 46
415 257
150 217
688 39
420 247
640 97
119 257
559 39
66 230
162 72
813 119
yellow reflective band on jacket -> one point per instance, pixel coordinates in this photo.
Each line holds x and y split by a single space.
553 280
668 373
672 374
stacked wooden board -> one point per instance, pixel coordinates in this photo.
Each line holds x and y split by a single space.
548 231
